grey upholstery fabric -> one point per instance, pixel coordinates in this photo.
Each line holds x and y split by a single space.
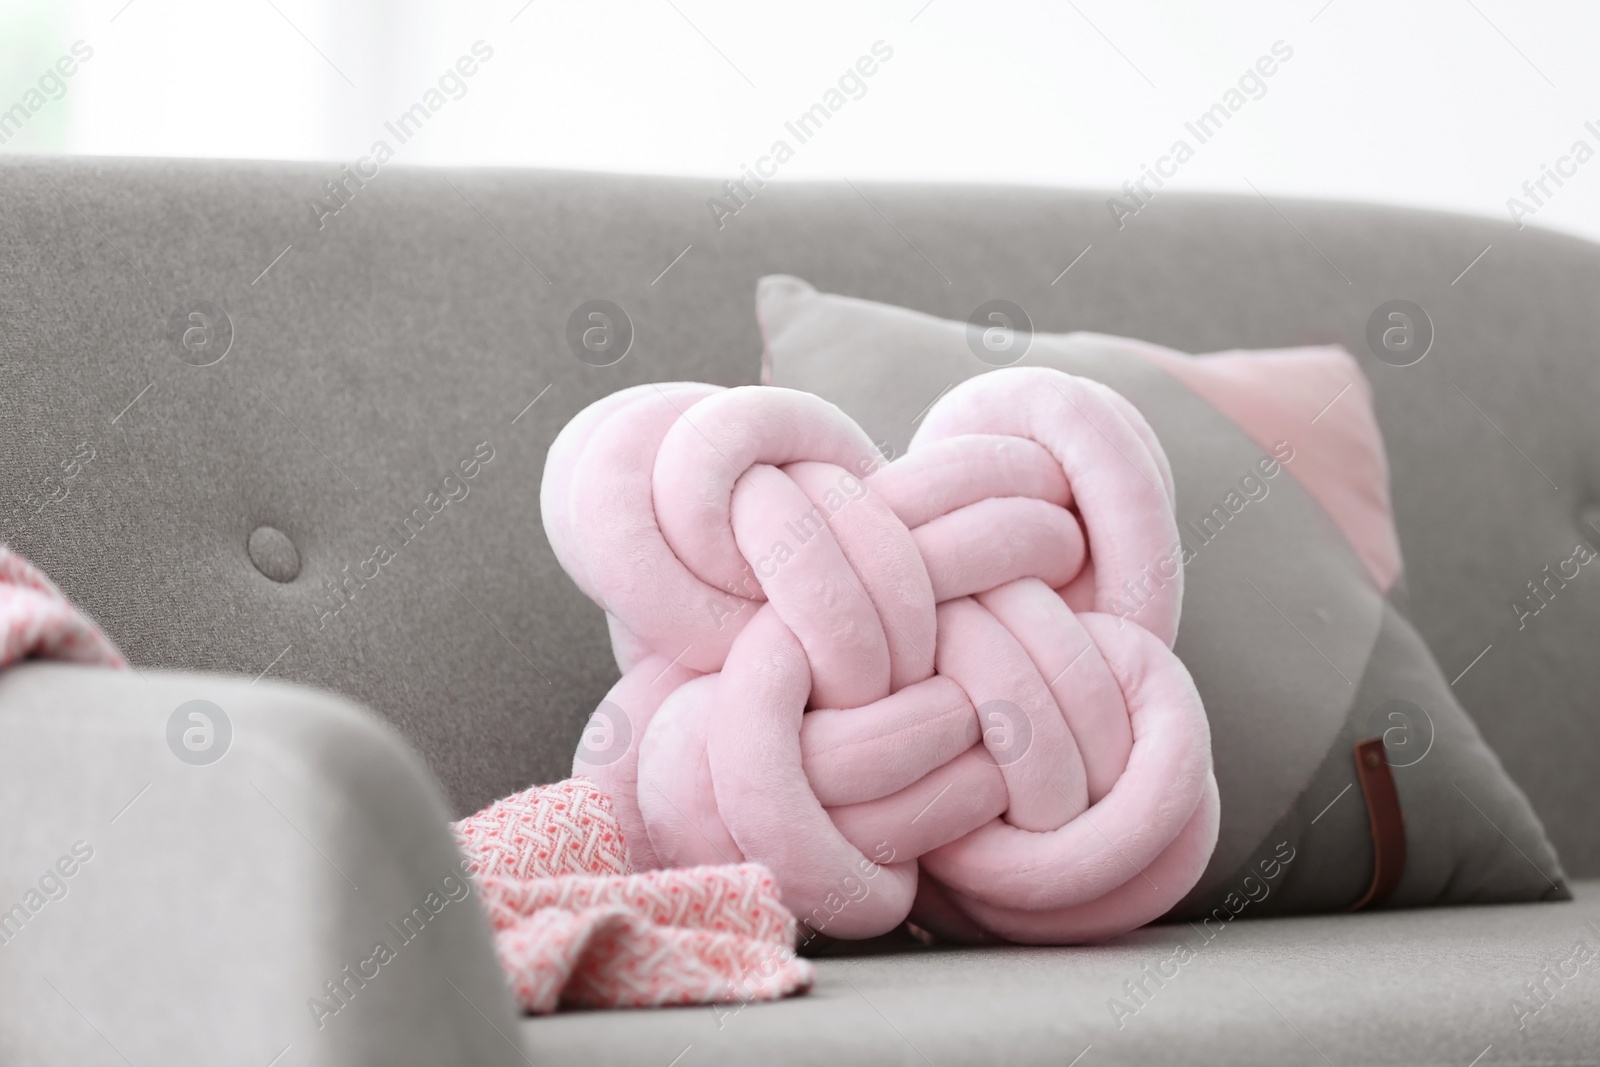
1470 835
373 357
156 910
1436 986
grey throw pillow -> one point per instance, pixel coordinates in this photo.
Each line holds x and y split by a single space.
1292 618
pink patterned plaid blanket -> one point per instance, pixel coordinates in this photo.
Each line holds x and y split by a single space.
574 926
37 621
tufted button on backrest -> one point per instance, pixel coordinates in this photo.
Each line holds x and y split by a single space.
273 553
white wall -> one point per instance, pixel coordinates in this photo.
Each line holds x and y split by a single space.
1442 103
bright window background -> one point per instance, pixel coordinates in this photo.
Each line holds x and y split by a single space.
1441 103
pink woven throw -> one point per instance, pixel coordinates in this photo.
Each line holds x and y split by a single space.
37 621
572 925
941 687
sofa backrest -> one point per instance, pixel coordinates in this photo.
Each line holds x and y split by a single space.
220 375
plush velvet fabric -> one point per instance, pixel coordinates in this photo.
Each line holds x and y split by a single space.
908 688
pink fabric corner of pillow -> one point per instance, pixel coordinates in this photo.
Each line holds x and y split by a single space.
1318 400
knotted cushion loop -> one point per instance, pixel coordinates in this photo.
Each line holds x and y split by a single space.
940 687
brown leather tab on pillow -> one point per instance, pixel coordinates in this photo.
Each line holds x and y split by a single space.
1388 822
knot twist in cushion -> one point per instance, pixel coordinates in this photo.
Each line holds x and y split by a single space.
939 688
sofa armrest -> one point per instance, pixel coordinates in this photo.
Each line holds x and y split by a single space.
281 890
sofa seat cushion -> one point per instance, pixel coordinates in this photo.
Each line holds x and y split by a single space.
1437 985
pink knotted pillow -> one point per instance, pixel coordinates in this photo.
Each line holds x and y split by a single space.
911 689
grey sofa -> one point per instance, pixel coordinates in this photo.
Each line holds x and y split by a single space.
243 461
